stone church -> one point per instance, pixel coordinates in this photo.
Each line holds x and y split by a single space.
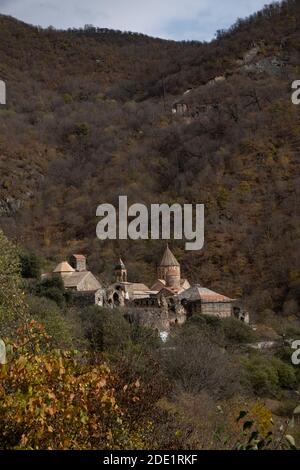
170 300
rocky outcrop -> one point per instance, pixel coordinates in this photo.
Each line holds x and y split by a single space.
270 65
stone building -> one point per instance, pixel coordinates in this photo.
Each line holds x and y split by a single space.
198 299
169 302
169 274
78 278
84 287
177 299
121 292
121 271
78 262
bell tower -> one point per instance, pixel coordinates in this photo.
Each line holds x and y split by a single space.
169 269
121 271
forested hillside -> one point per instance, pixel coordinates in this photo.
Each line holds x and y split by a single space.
89 118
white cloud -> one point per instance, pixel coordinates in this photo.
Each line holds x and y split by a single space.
175 19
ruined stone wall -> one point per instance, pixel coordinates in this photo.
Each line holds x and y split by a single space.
153 317
156 318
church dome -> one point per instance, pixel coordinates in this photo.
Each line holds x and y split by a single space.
168 259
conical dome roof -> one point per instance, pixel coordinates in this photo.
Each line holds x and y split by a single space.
168 259
64 267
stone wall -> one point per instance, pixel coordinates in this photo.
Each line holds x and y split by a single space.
156 318
220 309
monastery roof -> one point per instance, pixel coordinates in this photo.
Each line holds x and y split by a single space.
168 259
79 257
168 290
138 287
73 279
198 292
64 267
159 283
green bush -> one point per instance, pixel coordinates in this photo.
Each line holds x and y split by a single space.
146 338
262 377
236 331
198 322
286 374
47 312
105 329
268 375
53 289
220 330
30 266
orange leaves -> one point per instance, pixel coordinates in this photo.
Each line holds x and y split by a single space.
53 401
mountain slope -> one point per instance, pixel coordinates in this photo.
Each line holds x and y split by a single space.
89 117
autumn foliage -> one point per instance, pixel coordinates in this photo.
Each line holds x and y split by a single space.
55 400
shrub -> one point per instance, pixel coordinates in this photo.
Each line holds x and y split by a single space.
196 364
53 289
263 377
47 312
30 266
54 401
12 306
286 374
236 331
105 329
211 325
267 375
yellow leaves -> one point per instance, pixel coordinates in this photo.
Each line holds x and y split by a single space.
263 418
21 362
101 383
48 368
61 367
83 417
62 402
51 395
51 410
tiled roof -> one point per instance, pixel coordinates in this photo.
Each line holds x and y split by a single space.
159 283
169 259
72 280
202 293
138 287
64 267
79 257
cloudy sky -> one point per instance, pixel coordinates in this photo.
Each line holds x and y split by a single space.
172 19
